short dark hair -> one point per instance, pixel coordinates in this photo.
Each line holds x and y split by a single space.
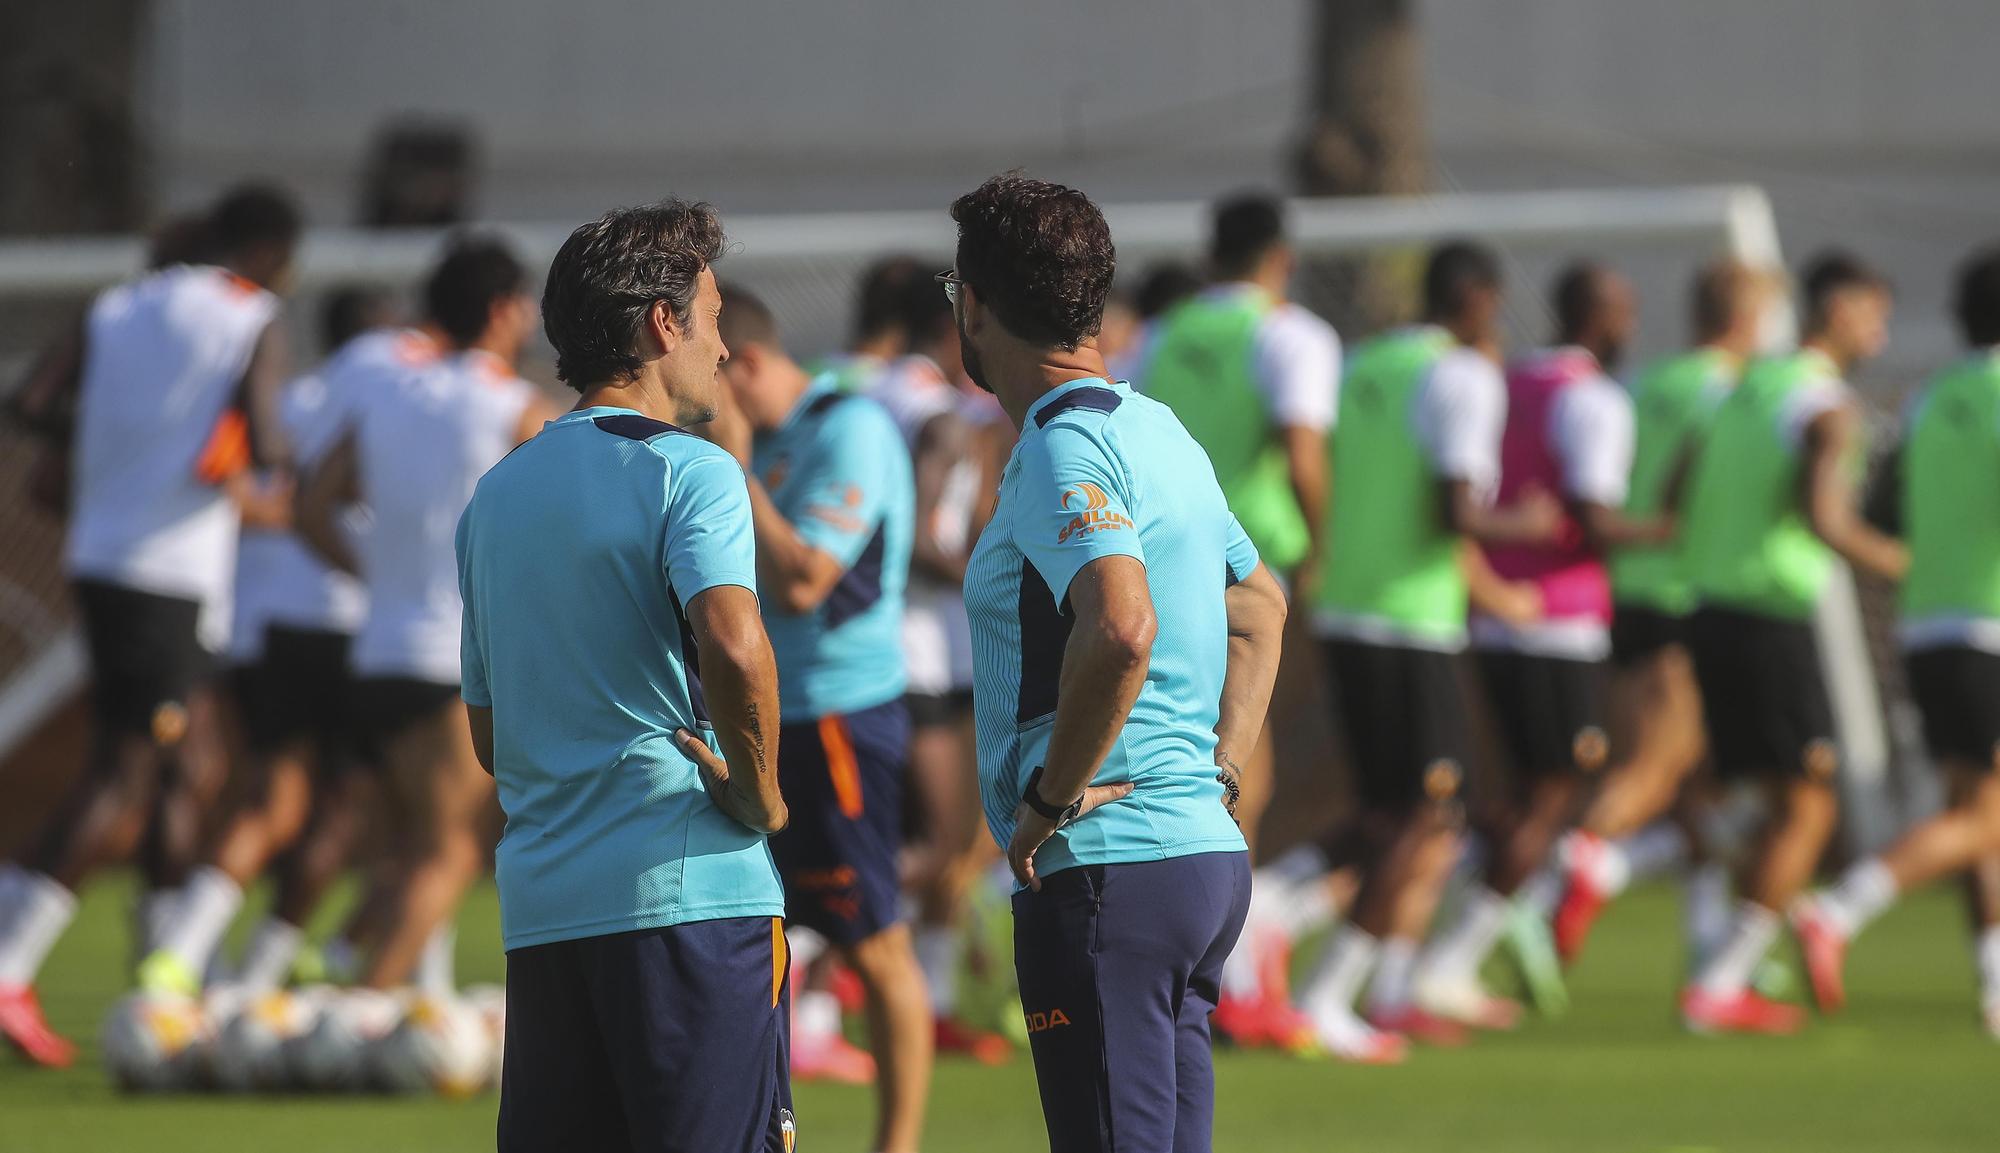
1977 298
1039 255
1457 269
180 240
1832 272
1245 227
746 319
926 311
476 273
879 305
1577 291
1719 289
607 276
349 312
1164 285
251 216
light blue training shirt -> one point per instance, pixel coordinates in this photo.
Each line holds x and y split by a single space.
1100 471
837 468
577 557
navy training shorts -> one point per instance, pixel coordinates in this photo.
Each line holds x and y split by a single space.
842 778
669 1040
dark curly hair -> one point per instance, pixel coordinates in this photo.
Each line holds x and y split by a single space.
476 273
1039 255
607 276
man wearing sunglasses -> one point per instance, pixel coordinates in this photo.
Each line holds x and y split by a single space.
1125 637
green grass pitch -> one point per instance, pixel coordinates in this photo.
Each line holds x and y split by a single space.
1905 1069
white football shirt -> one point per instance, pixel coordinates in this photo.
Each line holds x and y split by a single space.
425 436
279 580
163 357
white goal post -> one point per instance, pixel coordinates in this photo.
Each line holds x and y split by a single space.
806 266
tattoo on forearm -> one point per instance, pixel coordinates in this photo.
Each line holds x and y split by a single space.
753 727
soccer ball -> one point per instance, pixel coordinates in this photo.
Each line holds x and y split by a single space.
153 1041
491 1001
333 1053
252 1051
441 1045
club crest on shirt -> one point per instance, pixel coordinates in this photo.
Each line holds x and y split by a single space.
1092 513
775 475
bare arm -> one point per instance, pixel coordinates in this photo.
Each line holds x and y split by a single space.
1608 528
795 575
331 487
262 395
1826 497
266 501
1256 608
482 735
1305 466
1534 519
1104 667
992 445
739 679
1516 602
944 441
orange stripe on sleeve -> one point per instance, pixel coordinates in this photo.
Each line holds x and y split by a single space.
841 765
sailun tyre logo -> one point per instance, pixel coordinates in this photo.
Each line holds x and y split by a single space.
1093 513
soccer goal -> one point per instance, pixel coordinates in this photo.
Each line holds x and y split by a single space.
1360 260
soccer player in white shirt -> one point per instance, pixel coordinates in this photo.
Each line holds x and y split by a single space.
295 622
420 441
175 377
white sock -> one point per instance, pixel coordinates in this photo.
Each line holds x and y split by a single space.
437 970
1241 976
1653 850
1541 893
1338 975
155 917
1459 951
1730 969
268 958
1863 893
42 910
1987 950
1609 868
1307 908
815 1018
1390 992
806 946
938 948
1707 910
207 904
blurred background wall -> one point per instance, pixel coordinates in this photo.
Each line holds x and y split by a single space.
1870 123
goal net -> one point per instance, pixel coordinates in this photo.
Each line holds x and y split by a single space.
1360 258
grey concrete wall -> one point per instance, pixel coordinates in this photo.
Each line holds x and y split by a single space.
1870 122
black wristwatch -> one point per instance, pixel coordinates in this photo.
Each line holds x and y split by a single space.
1060 814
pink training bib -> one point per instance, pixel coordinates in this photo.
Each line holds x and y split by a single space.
1571 576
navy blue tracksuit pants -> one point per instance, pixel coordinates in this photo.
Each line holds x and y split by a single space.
1120 966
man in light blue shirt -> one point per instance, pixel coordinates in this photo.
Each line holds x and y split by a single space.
623 693
834 503
1125 638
